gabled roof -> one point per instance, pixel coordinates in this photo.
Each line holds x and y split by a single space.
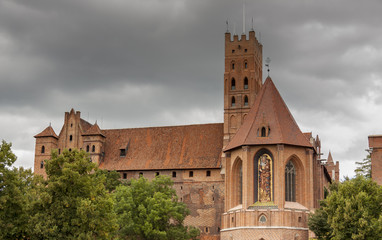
175 147
330 158
47 132
270 111
93 131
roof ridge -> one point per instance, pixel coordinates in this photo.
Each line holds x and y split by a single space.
156 127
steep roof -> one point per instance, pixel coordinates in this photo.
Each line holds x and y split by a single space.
47 132
269 110
175 147
93 130
330 158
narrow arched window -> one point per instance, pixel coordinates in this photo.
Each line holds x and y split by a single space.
245 83
245 100
233 102
233 66
240 187
290 182
246 65
42 164
43 149
71 137
93 148
263 132
87 148
233 84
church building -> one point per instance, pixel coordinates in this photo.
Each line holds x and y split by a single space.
254 176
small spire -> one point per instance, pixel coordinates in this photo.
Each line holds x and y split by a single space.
268 60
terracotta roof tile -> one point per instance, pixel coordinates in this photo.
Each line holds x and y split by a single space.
93 130
175 147
269 110
47 132
85 125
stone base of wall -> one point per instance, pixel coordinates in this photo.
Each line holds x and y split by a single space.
264 233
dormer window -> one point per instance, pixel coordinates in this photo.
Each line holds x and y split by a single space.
122 152
233 84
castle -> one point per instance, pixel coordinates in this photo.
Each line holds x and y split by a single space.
255 176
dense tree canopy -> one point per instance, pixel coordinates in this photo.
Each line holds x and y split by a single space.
73 202
364 167
150 210
352 210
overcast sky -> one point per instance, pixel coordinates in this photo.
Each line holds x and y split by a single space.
139 63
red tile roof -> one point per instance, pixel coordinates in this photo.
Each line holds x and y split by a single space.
47 132
93 130
175 147
269 110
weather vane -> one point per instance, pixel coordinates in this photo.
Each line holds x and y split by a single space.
268 60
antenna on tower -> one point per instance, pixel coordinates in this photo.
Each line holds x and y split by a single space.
244 17
226 22
252 28
268 60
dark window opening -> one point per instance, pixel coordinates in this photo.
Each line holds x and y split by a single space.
181 199
213 198
174 174
245 83
206 229
43 149
213 187
233 66
141 174
233 84
299 219
208 173
71 137
87 148
70 149
181 187
59 151
233 102
233 50
122 152
218 229
191 174
156 173
263 132
71 125
124 175
93 148
290 182
233 219
245 65
42 164
245 50
245 100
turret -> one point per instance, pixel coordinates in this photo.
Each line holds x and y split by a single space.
46 141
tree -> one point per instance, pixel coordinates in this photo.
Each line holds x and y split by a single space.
353 211
112 179
150 210
364 167
15 186
318 223
73 202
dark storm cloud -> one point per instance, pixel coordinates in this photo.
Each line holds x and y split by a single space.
149 63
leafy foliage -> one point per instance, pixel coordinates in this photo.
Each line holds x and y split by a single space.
150 210
112 179
364 167
73 203
352 210
15 186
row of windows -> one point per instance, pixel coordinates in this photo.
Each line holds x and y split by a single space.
233 65
59 150
233 83
233 101
190 174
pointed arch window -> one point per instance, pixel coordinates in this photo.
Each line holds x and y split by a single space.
42 164
245 65
233 102
43 149
87 148
263 132
290 182
245 83
245 100
233 66
233 84
93 148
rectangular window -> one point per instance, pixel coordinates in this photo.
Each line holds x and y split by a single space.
174 174
208 173
124 175
122 153
156 173
191 174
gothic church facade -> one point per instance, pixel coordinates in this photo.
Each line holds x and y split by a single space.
255 176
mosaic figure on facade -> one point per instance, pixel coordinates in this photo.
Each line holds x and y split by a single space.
265 178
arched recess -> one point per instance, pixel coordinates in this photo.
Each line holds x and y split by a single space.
294 179
237 182
261 169
233 121
233 84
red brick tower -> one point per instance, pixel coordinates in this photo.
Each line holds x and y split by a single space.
242 79
375 144
46 141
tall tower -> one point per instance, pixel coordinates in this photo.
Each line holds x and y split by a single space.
242 80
